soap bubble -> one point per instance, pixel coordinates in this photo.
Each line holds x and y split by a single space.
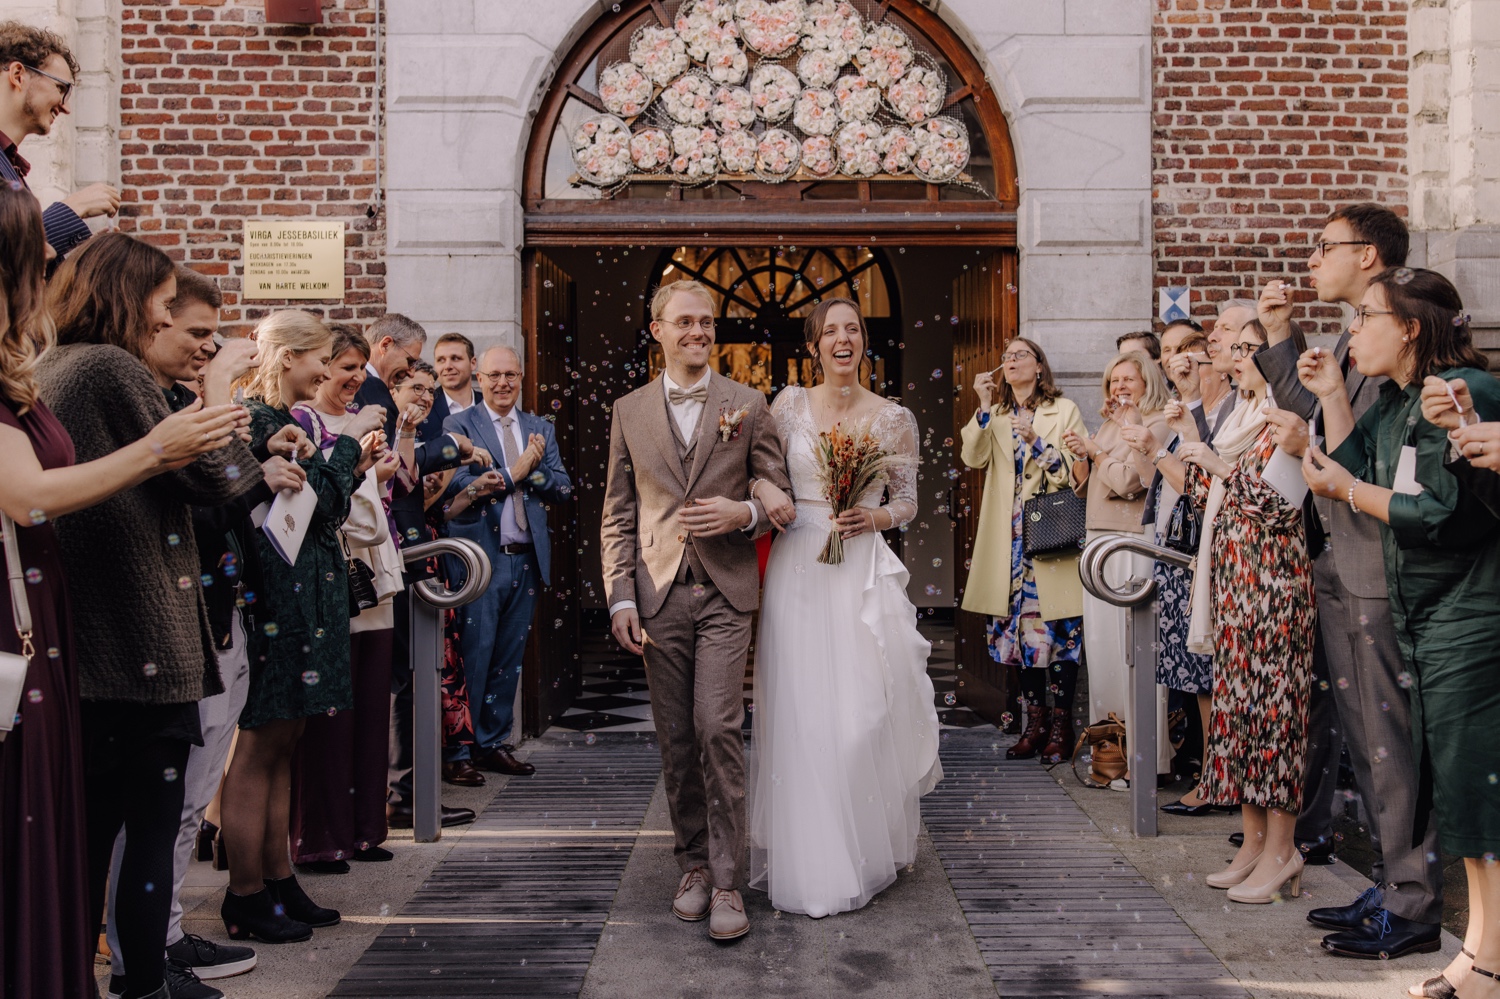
311 677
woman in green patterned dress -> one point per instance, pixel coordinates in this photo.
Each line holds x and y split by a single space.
1442 566
299 657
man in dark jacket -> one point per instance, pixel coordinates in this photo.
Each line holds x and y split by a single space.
37 74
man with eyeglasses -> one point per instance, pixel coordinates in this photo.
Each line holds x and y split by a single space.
395 342
506 517
1402 913
36 79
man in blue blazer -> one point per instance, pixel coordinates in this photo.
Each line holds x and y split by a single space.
502 511
454 360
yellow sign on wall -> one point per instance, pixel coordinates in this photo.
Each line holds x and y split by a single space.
294 260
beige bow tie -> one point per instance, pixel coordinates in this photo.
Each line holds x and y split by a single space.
677 395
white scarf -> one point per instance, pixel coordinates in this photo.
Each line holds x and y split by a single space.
1240 429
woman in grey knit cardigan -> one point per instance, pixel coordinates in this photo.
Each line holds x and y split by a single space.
143 647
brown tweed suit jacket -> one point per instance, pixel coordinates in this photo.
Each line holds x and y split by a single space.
642 543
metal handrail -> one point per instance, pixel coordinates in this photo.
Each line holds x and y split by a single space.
1099 551
433 598
1142 649
476 567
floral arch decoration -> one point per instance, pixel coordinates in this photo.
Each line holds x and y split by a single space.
876 101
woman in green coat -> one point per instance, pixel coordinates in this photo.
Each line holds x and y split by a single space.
299 656
1442 563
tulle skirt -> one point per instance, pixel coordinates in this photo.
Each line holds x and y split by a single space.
845 730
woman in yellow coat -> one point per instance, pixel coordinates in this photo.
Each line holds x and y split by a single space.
1035 607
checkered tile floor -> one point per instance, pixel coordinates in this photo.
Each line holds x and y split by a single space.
615 697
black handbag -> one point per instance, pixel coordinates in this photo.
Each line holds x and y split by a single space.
1184 528
1053 523
362 595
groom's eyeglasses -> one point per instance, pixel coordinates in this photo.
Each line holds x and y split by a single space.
686 325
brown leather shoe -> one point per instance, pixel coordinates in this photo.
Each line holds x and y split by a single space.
462 773
691 902
726 915
1035 735
500 761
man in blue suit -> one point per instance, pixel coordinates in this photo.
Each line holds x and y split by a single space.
505 516
453 359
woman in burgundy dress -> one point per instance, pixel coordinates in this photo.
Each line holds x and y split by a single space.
46 940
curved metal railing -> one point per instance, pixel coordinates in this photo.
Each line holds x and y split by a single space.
1137 591
476 571
1141 650
432 598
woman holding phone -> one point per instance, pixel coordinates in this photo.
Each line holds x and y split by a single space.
1034 606
1442 564
1103 472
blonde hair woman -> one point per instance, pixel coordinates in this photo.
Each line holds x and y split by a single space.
1035 607
1134 395
299 639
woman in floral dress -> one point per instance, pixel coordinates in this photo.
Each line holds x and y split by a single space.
1035 608
1262 619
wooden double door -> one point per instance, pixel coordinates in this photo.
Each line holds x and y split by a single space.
984 303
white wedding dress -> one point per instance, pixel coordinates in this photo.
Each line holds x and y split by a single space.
845 736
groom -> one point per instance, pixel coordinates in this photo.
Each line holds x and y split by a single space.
681 574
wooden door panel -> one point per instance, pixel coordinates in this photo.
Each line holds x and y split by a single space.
987 312
551 676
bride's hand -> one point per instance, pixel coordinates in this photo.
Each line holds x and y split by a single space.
853 523
780 510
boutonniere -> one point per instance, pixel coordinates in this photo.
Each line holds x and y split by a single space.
729 423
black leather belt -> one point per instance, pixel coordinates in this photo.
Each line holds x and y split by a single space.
525 549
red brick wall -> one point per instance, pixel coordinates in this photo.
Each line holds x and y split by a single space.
1267 115
225 119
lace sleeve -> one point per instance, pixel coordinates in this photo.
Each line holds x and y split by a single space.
900 431
783 410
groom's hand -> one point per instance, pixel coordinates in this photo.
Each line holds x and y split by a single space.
706 518
626 627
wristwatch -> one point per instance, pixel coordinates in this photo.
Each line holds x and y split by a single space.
1159 455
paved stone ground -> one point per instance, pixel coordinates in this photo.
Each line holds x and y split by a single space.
965 921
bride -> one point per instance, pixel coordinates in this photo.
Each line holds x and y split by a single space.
845 735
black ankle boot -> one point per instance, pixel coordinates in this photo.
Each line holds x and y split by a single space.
297 905
261 917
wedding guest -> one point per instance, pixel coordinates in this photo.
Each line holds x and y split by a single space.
1035 606
1105 474
1144 341
1441 549
339 768
1361 654
1254 609
37 74
145 652
47 938
512 529
414 391
299 656
183 353
1178 668
455 363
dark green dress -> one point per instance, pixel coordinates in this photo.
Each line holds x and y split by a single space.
299 656
1442 566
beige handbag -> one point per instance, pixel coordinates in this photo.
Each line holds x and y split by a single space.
1107 760
13 665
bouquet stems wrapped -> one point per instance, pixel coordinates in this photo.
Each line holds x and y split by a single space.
852 461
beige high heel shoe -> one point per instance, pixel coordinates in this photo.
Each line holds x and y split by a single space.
1231 876
1292 871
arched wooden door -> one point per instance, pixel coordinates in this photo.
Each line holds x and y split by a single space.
572 200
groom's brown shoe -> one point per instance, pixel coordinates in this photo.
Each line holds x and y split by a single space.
691 902
726 915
